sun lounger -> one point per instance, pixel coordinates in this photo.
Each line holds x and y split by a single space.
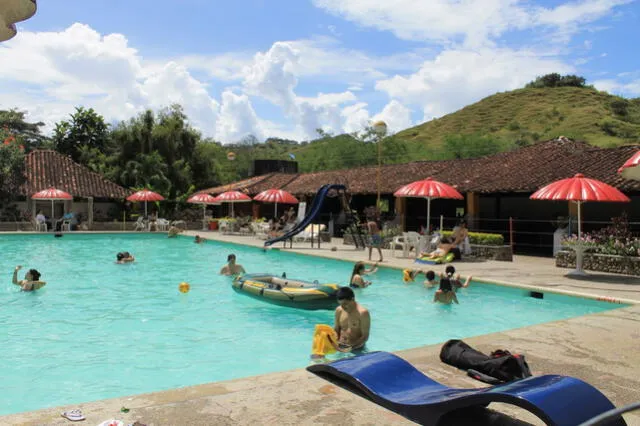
396 385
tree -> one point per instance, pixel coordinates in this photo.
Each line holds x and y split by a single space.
557 80
86 128
11 173
12 122
470 146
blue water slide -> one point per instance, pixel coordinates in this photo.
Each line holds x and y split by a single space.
314 211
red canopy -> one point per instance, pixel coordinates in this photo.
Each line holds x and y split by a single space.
52 194
233 196
145 195
631 168
276 196
428 188
202 198
579 189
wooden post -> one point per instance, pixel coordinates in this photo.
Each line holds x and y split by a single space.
401 209
473 209
511 233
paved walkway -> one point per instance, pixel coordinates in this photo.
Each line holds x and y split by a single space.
601 349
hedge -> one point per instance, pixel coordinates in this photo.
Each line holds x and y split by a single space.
480 238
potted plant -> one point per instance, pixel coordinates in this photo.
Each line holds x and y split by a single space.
213 224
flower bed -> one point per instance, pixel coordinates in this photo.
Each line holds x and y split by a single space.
626 265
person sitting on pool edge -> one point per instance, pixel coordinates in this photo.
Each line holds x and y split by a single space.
443 249
359 270
232 268
352 322
456 283
173 232
445 293
430 281
124 257
31 279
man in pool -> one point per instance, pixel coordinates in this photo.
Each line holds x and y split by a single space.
31 279
232 268
352 322
124 257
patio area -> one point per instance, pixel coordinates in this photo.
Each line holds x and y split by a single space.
600 349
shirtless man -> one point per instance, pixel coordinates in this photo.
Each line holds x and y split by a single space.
232 268
31 279
352 322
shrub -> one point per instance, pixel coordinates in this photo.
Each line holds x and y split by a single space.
480 238
619 106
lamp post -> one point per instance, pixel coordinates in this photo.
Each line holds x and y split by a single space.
380 129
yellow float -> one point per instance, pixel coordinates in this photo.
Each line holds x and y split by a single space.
287 292
184 287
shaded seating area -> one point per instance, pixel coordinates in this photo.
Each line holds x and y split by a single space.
396 385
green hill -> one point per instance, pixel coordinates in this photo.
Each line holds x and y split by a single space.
530 115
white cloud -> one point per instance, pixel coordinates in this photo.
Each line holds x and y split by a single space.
456 78
474 21
395 115
617 87
237 118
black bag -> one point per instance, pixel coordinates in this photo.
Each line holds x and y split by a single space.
499 367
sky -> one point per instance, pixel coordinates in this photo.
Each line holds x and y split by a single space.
275 68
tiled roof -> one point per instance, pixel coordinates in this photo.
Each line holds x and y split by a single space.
255 184
522 170
46 168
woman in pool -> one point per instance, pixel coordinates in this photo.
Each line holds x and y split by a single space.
445 293
359 270
124 257
31 279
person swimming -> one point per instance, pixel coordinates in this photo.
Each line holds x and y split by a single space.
31 281
456 282
198 239
124 257
359 271
430 281
445 293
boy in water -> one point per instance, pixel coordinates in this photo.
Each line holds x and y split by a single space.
352 321
430 281
456 282
232 268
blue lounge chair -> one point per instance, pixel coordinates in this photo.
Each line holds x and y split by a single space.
393 383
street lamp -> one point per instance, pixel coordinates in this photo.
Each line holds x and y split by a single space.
380 129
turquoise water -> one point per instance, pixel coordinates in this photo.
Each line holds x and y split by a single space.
100 330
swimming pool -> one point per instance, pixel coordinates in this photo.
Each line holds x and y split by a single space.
100 330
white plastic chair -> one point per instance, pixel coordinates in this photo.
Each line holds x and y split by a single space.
140 225
407 242
66 225
162 224
311 231
41 226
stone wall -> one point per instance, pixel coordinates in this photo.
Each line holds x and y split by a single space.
600 262
502 253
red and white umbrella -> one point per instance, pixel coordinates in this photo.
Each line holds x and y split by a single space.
579 189
276 196
232 197
429 189
52 194
631 168
204 199
145 195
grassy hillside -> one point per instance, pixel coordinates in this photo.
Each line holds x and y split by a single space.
531 115
497 123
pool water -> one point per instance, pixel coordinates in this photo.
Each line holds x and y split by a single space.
100 330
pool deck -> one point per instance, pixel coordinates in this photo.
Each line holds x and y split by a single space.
601 349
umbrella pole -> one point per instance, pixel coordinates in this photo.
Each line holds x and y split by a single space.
232 213
579 248
53 225
428 219
275 211
204 217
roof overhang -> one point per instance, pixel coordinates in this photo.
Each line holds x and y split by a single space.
12 11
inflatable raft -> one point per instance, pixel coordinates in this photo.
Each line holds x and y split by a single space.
438 260
288 292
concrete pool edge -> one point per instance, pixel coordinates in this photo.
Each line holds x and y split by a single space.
297 397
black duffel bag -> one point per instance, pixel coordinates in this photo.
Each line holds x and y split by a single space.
500 367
